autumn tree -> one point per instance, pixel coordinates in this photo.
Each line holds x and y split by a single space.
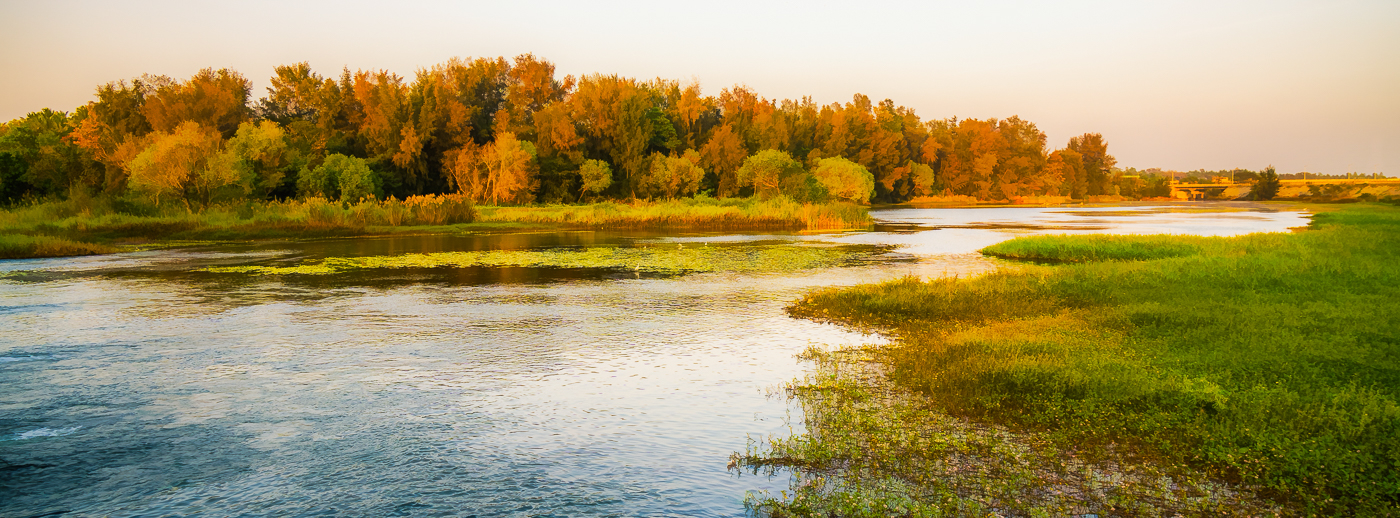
612 113
530 87
510 169
1066 167
212 98
187 163
1098 164
112 128
722 155
385 130
463 168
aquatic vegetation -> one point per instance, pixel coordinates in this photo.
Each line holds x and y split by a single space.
1267 361
874 449
652 259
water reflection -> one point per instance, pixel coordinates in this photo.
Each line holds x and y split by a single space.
131 386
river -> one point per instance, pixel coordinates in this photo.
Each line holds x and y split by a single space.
144 384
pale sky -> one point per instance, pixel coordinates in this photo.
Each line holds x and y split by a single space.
1305 86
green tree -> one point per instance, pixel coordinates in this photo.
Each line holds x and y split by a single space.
340 177
597 177
845 179
261 152
1267 186
43 160
675 176
766 170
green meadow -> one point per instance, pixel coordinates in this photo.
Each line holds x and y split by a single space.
1138 375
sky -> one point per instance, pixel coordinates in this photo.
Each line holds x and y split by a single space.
1184 85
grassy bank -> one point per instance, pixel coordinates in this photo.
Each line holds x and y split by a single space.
19 246
96 225
1269 361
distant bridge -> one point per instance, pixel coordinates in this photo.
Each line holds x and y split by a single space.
1201 191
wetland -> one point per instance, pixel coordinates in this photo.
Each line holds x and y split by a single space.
540 372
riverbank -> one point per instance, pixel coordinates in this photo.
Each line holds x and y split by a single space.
89 226
1266 361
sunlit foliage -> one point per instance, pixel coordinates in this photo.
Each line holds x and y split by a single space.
187 163
845 179
462 126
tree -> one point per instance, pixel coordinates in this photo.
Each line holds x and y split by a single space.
845 179
614 115
1098 164
596 175
111 129
510 169
386 131
766 170
1267 186
1065 167
340 177
530 87
214 99
44 159
261 150
722 155
187 163
676 176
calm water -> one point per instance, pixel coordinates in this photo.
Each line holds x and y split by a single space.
131 385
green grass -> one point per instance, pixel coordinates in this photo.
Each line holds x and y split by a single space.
699 213
1057 249
1270 361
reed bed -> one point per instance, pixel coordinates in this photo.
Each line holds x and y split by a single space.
1269 361
94 224
19 246
699 213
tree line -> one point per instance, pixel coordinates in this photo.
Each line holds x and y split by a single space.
511 131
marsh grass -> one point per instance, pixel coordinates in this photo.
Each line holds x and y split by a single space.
675 259
699 213
13 246
874 449
100 222
1269 361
